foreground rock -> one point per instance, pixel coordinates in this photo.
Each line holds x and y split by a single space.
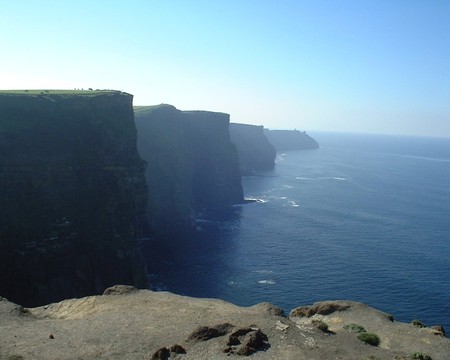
131 324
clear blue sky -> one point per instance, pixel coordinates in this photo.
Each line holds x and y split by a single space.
379 66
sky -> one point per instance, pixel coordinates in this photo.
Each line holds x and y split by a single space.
380 66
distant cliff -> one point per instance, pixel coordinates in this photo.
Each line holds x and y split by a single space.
192 164
72 190
254 149
291 140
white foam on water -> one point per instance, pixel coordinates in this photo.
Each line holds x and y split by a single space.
256 200
263 271
267 282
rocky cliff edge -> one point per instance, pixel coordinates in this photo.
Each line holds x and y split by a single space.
126 323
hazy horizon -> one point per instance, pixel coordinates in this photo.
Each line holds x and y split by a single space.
340 66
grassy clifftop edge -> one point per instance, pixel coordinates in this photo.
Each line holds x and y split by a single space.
66 92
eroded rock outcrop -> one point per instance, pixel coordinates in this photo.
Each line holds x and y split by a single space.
72 190
192 164
284 140
255 151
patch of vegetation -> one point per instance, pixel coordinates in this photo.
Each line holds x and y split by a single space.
369 338
321 325
354 328
420 356
418 323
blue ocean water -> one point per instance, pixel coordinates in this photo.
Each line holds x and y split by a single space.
365 217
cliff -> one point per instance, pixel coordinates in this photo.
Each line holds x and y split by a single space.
255 151
72 190
284 140
130 324
192 164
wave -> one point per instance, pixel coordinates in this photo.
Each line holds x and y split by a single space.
334 178
291 203
267 282
422 158
200 220
255 200
263 271
338 178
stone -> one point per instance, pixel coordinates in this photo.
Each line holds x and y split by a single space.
439 330
161 354
120 290
204 333
322 308
246 341
280 326
177 349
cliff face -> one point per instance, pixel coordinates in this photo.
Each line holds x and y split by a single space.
192 164
284 140
254 149
73 188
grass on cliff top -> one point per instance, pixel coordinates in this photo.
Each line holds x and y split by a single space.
140 110
57 92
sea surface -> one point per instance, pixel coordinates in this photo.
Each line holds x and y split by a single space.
365 218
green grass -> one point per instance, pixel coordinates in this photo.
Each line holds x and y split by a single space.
369 338
418 323
354 328
143 110
56 92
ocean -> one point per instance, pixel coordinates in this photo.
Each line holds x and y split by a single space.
364 218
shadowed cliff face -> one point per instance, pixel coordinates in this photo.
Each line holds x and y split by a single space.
73 189
255 151
192 164
284 140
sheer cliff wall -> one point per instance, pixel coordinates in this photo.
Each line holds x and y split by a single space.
192 164
255 151
72 192
284 140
